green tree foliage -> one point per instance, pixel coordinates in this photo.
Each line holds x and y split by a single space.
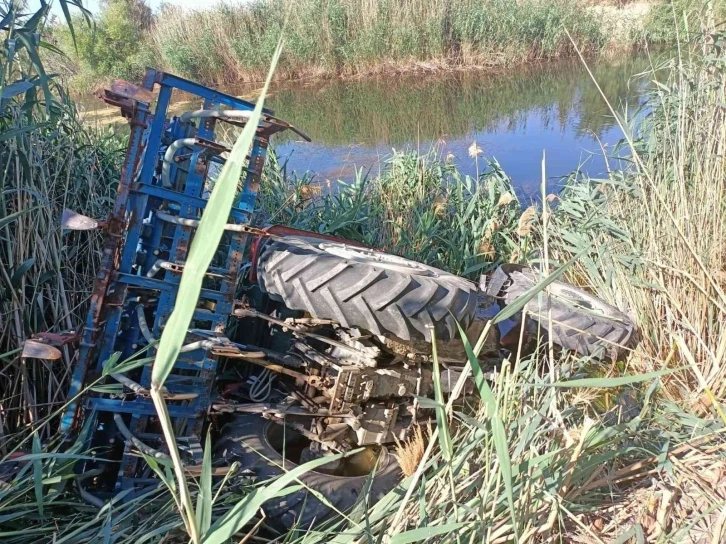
115 45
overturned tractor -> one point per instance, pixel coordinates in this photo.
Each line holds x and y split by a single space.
302 345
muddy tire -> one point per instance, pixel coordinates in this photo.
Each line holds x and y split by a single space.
357 287
249 440
581 322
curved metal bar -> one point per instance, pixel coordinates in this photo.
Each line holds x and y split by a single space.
169 158
217 114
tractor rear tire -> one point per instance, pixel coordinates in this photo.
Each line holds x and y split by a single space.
254 443
359 287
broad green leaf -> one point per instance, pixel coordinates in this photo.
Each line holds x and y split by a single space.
31 24
21 271
6 19
164 531
13 217
203 248
429 404
25 38
14 515
612 382
53 48
69 20
206 239
55 455
8 134
107 527
15 88
422 533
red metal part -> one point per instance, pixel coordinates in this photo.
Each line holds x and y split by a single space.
129 90
126 96
58 339
282 230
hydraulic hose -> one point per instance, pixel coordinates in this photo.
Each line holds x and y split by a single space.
89 497
217 114
169 158
262 387
128 435
146 332
195 223
238 114
143 326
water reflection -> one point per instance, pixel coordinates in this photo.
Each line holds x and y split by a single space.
512 116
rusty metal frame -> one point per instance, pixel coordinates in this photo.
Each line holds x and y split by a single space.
135 238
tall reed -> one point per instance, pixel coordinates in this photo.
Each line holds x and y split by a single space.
664 256
48 161
327 37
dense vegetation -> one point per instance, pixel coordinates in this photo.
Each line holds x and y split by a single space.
229 43
49 161
564 448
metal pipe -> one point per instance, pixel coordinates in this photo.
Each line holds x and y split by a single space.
240 114
128 435
155 268
199 344
141 390
143 326
195 223
176 268
177 220
131 384
249 312
169 158
146 332
166 265
217 114
144 392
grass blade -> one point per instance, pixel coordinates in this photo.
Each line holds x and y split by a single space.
204 499
14 216
441 420
206 239
38 475
422 533
203 249
613 382
499 434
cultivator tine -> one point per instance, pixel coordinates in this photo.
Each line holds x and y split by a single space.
33 349
71 220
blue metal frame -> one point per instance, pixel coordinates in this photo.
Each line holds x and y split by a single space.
135 239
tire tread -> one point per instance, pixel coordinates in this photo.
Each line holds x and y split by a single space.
360 294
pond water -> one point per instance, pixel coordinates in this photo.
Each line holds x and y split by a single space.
513 117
